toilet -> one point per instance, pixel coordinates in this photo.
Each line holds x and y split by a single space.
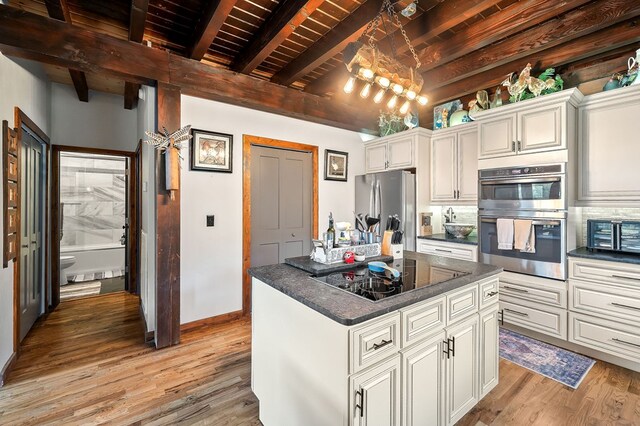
65 262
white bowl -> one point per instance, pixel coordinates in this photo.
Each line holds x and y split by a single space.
342 226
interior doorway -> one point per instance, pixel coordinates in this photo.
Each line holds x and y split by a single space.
93 201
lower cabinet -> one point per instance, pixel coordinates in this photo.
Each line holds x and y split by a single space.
489 349
377 392
461 372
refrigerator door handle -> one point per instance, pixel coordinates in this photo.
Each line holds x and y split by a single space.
379 194
372 196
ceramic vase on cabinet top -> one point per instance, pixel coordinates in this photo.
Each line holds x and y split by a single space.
634 68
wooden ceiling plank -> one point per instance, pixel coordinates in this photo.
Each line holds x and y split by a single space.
80 84
138 19
511 20
58 9
34 37
329 45
208 26
617 36
573 25
287 16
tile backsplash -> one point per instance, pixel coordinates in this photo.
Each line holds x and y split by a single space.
605 213
92 190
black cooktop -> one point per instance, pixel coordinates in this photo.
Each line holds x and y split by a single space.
376 286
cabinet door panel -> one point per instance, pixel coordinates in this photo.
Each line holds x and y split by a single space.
375 395
376 158
468 166
496 137
540 130
462 369
400 153
423 382
489 350
443 168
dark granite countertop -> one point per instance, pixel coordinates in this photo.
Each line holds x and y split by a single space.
470 240
349 309
315 268
606 255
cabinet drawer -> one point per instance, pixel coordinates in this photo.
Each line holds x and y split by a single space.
374 341
489 292
605 300
454 251
605 272
548 320
421 321
534 289
462 303
606 336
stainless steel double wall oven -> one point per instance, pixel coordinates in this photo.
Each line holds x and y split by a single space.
537 193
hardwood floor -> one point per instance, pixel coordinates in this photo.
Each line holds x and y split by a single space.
87 364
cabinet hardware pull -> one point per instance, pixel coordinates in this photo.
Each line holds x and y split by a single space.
620 305
519 290
384 343
447 351
442 250
361 405
453 346
615 339
458 194
519 145
513 146
625 277
501 319
492 293
522 314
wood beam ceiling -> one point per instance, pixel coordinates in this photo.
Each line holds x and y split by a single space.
58 9
137 21
34 37
208 26
285 18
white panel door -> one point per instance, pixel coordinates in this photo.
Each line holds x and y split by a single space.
443 168
540 130
400 153
468 165
376 157
375 395
423 383
462 369
489 350
496 137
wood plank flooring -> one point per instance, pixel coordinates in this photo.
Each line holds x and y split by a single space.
87 364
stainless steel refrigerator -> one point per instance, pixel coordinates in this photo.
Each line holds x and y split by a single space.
386 194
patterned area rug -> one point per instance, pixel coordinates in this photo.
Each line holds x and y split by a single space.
566 367
72 291
95 276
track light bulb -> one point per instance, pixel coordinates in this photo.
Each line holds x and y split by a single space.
378 97
384 82
422 100
411 95
366 73
392 102
348 87
397 89
364 93
405 107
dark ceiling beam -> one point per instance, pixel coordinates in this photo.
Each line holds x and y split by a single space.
210 22
425 27
626 33
329 45
58 9
34 37
511 20
285 18
137 22
573 25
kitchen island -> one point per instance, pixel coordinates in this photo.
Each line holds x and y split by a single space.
324 356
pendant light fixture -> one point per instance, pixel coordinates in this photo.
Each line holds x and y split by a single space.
396 82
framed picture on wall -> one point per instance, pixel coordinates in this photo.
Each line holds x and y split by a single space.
211 151
335 165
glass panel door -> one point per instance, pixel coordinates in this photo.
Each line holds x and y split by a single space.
630 236
521 190
601 235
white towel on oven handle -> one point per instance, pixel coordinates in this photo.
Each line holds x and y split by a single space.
524 236
504 228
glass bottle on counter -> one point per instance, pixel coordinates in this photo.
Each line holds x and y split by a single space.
331 233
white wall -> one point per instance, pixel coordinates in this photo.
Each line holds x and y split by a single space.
146 120
22 84
100 123
211 258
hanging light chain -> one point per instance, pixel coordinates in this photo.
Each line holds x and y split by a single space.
392 13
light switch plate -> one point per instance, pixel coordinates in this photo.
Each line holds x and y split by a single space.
210 220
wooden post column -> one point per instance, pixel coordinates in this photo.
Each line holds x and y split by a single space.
167 230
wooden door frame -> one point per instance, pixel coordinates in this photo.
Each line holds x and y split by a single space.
247 142
21 119
54 206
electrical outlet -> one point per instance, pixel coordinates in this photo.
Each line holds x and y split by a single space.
210 220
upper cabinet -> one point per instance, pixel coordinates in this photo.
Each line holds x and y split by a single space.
609 149
394 152
537 125
454 165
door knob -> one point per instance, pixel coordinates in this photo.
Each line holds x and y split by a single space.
293 235
25 246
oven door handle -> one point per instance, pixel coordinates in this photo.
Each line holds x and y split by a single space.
522 180
533 221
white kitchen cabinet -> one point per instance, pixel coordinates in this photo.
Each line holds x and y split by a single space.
489 349
423 382
447 249
376 394
376 157
395 152
461 372
454 165
608 152
537 125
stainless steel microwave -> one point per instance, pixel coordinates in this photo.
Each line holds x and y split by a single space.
614 235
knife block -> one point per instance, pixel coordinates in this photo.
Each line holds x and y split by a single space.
386 243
